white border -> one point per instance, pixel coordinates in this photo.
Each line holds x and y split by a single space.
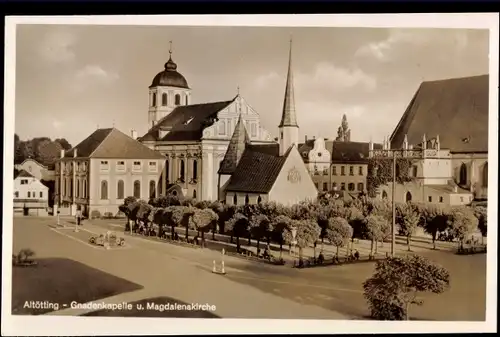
53 325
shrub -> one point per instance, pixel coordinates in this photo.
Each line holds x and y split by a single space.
95 214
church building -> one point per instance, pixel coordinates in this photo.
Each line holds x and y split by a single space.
193 138
252 173
446 128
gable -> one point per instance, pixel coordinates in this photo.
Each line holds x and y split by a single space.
119 145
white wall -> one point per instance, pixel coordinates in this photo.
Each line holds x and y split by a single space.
25 185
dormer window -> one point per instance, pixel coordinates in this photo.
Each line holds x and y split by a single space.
188 121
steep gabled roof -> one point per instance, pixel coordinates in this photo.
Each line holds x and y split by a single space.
186 123
235 149
455 109
112 143
24 174
289 116
256 171
342 152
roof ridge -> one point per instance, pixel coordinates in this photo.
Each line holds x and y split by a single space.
103 140
455 78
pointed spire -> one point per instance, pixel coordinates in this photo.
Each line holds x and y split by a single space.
170 49
236 147
289 117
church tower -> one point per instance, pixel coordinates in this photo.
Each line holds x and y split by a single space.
168 90
288 128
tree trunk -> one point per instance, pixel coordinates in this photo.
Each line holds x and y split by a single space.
249 238
337 251
269 242
408 311
322 244
300 253
187 232
238 244
173 232
281 249
371 247
314 251
202 239
376 247
213 230
231 239
258 245
409 243
434 240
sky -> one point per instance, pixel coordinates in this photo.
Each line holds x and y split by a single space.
72 79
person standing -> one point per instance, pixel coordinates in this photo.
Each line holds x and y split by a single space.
58 219
78 217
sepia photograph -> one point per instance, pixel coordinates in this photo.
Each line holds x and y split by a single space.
291 173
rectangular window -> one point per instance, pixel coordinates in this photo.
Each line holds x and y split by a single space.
41 194
152 166
325 172
440 199
16 194
360 170
325 186
104 165
24 182
342 186
137 166
342 170
430 199
120 165
351 170
254 129
29 194
334 170
222 128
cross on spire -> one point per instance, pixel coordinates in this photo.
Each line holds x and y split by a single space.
170 48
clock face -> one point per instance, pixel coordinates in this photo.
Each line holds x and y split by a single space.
293 176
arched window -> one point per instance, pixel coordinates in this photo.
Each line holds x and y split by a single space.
485 175
177 99
104 190
361 187
174 193
187 101
195 169
181 175
137 189
78 188
120 190
350 186
152 189
408 196
194 194
247 200
164 99
463 174
222 128
259 199
384 195
235 199
153 100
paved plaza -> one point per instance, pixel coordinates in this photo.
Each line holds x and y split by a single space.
155 273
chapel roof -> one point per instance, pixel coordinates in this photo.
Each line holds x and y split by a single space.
342 152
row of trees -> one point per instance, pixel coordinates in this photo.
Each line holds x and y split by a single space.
336 221
42 149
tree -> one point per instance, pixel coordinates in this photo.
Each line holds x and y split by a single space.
355 218
281 226
338 232
481 214
238 225
307 234
374 225
174 216
397 282
261 228
463 222
435 220
187 213
64 143
407 219
203 220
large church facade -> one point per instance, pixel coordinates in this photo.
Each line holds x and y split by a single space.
193 137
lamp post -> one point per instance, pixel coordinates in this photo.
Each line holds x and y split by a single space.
388 153
294 241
